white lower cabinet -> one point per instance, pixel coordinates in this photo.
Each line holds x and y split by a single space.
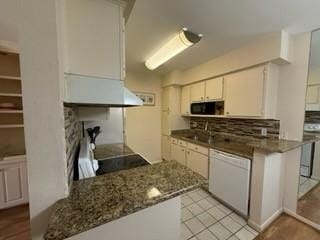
13 183
198 163
178 153
193 156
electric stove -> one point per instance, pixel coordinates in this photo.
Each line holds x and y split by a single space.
120 163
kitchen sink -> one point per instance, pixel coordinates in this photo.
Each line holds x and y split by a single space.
201 138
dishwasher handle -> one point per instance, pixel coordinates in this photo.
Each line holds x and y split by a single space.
229 155
231 159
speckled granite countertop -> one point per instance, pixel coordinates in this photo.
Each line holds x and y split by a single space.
220 143
111 150
243 146
96 201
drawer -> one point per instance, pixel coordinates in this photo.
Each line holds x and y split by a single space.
174 140
198 148
182 143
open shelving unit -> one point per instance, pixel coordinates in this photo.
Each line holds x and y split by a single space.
11 117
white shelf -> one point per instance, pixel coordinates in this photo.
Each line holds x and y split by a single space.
10 77
13 111
11 126
10 95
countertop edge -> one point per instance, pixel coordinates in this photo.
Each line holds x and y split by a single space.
162 199
294 144
211 147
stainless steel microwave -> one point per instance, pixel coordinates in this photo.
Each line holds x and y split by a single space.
204 108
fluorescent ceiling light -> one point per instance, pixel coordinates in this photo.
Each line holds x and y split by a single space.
176 45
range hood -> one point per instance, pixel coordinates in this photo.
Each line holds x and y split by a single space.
99 92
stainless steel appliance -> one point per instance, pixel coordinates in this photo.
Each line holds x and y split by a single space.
307 154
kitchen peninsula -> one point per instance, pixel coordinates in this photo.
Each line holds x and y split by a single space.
101 207
268 159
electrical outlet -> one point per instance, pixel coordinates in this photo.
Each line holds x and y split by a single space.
264 132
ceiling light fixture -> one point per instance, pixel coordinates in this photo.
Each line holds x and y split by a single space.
176 45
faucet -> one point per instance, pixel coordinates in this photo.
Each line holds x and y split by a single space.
206 126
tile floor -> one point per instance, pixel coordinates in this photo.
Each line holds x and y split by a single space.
306 184
204 218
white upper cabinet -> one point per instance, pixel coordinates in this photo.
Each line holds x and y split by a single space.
94 38
197 92
313 98
252 92
312 94
244 93
185 100
214 89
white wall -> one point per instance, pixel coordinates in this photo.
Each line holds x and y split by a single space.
271 48
291 107
111 127
143 124
292 88
41 71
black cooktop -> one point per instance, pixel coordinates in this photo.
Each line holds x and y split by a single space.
120 163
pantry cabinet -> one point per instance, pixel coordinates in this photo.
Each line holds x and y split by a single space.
94 30
13 183
185 100
214 89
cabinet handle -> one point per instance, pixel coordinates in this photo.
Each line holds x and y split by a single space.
227 112
182 150
207 97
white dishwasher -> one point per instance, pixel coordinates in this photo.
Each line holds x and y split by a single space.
229 179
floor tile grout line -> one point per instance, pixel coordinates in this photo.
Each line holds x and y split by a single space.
218 221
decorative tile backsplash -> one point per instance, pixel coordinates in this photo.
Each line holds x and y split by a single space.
312 117
73 132
238 126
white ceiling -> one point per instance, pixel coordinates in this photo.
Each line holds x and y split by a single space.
225 24
9 20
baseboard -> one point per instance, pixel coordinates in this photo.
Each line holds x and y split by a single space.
266 223
301 219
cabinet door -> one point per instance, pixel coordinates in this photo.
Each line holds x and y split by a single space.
198 163
185 100
165 123
197 92
165 99
93 38
13 185
214 89
166 147
313 94
178 154
244 93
